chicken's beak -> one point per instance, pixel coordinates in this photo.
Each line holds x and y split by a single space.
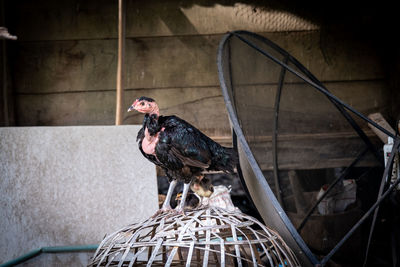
131 108
133 105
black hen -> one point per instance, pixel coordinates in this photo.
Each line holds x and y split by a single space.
179 148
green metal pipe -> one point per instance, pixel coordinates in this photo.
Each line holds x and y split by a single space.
63 249
58 249
23 258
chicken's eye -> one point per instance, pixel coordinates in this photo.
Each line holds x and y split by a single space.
142 103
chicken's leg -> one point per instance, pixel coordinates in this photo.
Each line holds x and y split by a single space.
167 202
166 207
180 208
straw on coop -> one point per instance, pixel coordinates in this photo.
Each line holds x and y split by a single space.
204 237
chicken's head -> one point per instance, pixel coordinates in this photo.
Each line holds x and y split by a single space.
203 187
145 105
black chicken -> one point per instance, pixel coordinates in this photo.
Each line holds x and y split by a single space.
179 148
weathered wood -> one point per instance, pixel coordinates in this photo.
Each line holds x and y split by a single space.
166 62
151 18
121 60
90 65
326 151
65 19
363 95
349 58
203 108
297 189
65 66
86 108
304 110
372 93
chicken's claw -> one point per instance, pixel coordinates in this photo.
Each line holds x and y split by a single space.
161 211
175 212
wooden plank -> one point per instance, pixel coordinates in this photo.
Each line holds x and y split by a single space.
312 108
313 153
66 20
91 65
203 108
305 110
350 59
86 108
172 62
65 66
166 62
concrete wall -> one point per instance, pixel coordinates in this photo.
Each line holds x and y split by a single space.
70 186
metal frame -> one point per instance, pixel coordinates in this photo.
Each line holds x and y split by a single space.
59 249
259 175
275 133
344 108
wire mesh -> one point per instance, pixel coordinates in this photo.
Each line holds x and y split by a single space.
299 137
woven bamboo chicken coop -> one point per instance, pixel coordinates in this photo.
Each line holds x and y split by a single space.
204 237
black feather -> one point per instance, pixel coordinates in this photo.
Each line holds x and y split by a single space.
146 99
183 151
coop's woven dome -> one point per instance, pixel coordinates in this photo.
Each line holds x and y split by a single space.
210 237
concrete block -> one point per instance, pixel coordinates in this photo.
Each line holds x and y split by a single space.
70 186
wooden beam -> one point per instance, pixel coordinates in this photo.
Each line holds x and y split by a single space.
120 69
3 35
297 189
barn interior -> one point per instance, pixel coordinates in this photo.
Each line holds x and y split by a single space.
62 70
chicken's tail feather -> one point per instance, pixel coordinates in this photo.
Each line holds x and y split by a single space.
226 160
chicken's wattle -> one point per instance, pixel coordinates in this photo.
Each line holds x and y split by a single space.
149 143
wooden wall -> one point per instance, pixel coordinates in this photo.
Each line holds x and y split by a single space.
65 60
